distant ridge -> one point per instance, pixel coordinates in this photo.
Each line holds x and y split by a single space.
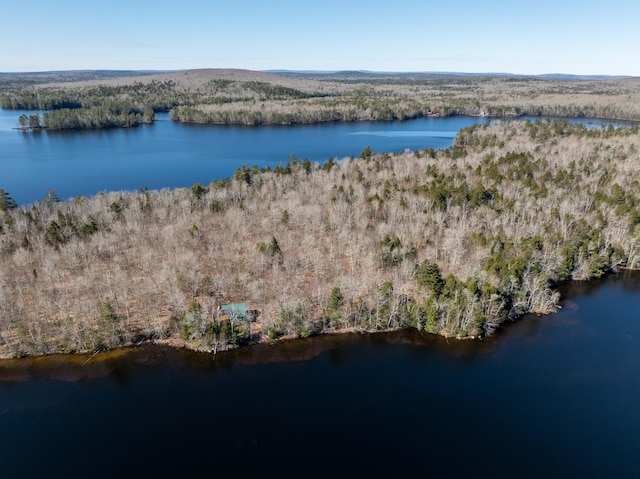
564 76
84 75
63 76
383 74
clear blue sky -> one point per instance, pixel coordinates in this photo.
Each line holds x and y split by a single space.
533 37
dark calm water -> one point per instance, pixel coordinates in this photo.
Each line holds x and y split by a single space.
552 396
169 154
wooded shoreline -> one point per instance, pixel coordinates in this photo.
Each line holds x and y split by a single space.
453 242
240 97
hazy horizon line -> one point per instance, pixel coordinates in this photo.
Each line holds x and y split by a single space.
324 72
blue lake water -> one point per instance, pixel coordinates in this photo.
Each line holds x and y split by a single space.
170 154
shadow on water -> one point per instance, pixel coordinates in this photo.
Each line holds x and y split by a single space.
525 330
117 363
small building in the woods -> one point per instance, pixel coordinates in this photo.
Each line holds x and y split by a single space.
235 311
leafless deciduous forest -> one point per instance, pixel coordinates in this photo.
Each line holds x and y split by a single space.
452 242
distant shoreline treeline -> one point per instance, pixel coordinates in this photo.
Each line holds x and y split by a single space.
242 99
452 242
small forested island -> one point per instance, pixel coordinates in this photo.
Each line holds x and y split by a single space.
452 242
244 97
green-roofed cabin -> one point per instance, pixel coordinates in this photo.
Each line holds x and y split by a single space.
235 311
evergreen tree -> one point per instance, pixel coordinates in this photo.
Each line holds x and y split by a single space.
6 202
50 197
34 121
274 248
428 276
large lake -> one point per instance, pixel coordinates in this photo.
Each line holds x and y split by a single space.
170 154
552 396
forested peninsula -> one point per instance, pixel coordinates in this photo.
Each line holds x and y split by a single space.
245 97
452 242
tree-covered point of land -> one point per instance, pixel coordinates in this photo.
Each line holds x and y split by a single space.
451 242
94 107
